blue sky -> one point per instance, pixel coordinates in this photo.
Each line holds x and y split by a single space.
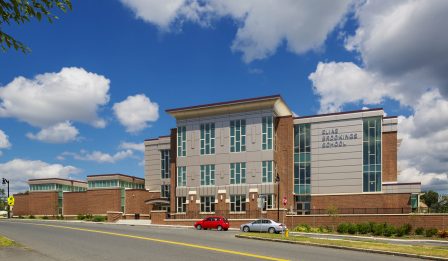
153 55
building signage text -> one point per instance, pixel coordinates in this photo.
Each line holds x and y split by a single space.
332 139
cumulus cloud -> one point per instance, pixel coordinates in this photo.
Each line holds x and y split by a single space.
136 112
263 26
4 141
59 133
97 156
133 146
18 171
51 99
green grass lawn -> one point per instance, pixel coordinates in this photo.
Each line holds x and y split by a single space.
411 249
5 242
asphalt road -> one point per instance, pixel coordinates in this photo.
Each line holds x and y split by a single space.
85 241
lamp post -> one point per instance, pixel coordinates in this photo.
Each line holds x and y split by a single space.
5 181
277 180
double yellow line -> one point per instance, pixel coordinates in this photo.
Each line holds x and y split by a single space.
214 249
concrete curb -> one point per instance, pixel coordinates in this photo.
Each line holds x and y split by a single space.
345 248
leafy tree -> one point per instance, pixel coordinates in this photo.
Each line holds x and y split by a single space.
431 198
3 199
23 11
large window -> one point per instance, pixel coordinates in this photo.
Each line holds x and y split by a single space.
208 204
207 138
103 183
182 176
181 141
165 191
165 163
267 133
207 175
237 203
372 154
267 176
238 173
181 204
237 135
269 201
302 159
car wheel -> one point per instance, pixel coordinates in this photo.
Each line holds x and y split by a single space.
219 228
246 229
198 227
271 230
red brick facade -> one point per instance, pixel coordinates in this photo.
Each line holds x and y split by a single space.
173 167
102 200
389 156
43 203
21 207
135 201
75 203
399 200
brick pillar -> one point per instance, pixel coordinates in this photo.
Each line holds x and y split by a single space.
173 167
389 151
221 208
283 157
253 204
193 207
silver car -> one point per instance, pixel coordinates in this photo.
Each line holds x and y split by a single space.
263 225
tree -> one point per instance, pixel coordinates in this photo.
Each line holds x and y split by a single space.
431 198
3 199
23 11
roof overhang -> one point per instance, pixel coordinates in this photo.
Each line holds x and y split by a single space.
274 102
161 201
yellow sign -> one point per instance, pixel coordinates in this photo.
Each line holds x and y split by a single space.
11 200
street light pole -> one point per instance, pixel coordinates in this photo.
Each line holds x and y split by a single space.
277 179
5 181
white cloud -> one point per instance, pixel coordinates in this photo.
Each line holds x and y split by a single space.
98 156
51 99
4 141
263 25
133 146
135 112
18 171
59 133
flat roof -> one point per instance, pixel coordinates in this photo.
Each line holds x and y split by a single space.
337 113
114 174
158 138
274 102
61 179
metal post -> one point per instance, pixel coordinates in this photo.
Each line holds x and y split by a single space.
5 181
277 179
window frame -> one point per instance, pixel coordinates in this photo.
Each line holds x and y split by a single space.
234 175
181 141
207 138
237 135
181 180
181 204
267 132
233 203
207 174
208 204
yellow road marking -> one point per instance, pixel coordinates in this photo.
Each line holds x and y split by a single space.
233 252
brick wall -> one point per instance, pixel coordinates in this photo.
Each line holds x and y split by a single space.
75 203
283 156
389 156
21 205
102 200
114 216
398 200
135 201
173 167
43 203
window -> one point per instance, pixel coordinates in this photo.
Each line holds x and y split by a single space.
302 159
372 154
123 199
207 175
269 201
267 172
207 138
181 204
182 176
237 203
237 135
165 164
238 173
165 191
208 204
181 141
267 133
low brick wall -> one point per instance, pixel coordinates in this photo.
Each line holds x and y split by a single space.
439 221
21 206
113 216
234 223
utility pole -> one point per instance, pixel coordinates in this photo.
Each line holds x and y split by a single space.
277 180
5 181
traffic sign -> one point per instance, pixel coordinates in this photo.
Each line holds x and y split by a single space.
285 201
11 200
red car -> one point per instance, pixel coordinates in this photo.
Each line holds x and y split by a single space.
219 223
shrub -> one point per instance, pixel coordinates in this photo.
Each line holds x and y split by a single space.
21 217
315 230
99 219
343 228
352 228
364 228
389 230
378 229
31 217
323 229
419 231
401 231
303 228
328 229
442 233
430 232
45 217
89 217
407 229
60 217
80 217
